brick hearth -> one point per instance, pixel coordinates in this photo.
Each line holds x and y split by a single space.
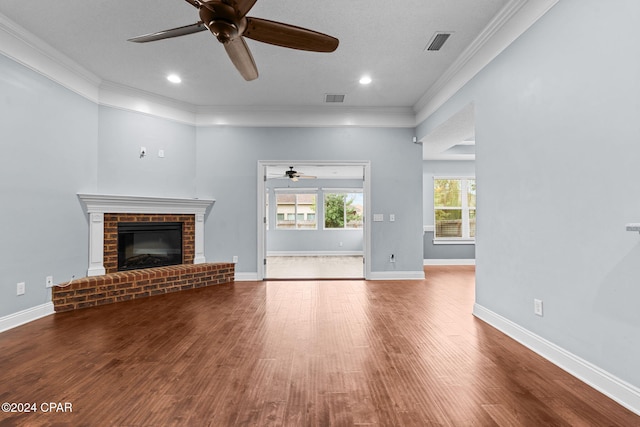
127 285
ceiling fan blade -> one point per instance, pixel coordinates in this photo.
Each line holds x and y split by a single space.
241 57
194 3
167 34
286 35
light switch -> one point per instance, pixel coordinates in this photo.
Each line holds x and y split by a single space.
392 217
160 153
378 217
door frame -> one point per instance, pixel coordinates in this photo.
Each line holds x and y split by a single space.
262 214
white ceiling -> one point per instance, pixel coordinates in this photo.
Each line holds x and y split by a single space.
383 39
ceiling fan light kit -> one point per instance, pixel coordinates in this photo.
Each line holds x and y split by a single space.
294 175
227 21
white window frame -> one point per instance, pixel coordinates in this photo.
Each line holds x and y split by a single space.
295 213
466 229
326 191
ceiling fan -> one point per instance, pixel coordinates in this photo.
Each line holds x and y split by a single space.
295 175
227 20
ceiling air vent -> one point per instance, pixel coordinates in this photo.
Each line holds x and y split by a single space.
438 40
333 98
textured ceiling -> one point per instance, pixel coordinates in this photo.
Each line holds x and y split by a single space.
383 39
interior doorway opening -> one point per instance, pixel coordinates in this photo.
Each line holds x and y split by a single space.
312 220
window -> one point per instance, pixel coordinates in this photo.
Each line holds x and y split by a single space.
343 210
454 201
295 211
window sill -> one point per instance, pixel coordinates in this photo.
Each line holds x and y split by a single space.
453 242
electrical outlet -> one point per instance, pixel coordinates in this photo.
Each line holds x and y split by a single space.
537 307
235 259
20 288
49 281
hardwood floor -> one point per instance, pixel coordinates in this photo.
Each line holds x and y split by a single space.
292 353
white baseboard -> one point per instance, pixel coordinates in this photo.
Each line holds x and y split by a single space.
449 262
622 392
396 275
314 253
246 277
25 316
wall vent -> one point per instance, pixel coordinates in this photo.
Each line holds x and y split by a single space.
437 41
333 98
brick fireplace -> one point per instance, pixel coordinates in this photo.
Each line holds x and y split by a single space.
106 210
104 284
110 245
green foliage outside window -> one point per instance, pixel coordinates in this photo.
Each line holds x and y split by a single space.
340 207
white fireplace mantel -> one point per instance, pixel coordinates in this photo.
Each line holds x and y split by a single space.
98 204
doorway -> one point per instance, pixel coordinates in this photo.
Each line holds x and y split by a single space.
311 219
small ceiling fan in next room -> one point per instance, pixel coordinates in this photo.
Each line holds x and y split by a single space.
295 175
292 175
227 21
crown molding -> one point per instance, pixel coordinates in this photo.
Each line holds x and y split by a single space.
451 157
310 116
32 52
131 99
511 22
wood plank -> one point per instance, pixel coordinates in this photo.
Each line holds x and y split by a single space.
293 353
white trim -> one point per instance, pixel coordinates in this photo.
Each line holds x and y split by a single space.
431 261
622 392
34 53
131 99
458 177
450 157
429 228
396 275
25 316
510 23
103 203
309 116
315 253
332 190
302 190
443 241
246 277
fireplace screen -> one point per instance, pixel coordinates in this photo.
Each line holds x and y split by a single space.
146 245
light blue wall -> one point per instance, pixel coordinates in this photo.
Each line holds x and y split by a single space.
48 140
319 240
557 166
123 171
58 144
443 168
227 170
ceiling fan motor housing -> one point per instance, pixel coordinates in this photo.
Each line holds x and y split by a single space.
222 21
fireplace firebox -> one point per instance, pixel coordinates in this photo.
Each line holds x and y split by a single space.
149 244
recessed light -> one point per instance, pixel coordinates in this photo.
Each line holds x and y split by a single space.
174 78
365 80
